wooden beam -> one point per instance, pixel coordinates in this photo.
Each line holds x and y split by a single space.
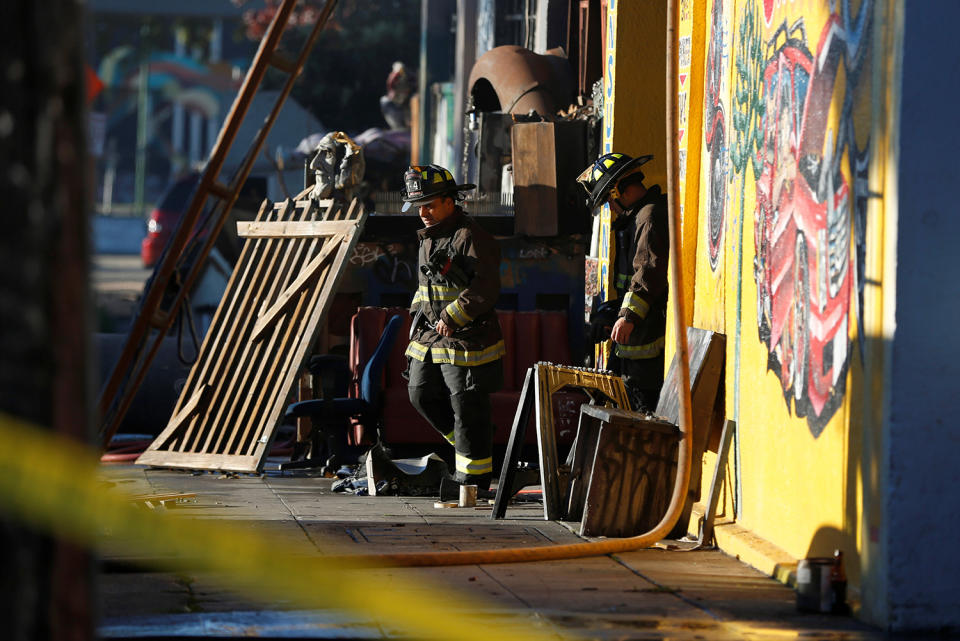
627 464
534 150
515 444
706 532
283 63
311 271
546 441
317 304
177 420
221 191
237 386
262 358
218 362
294 229
189 408
166 496
199 461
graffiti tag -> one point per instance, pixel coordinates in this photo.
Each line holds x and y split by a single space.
365 254
538 253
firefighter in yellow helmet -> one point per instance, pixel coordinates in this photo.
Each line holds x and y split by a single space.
455 345
640 272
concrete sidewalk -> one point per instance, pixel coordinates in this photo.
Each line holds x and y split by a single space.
646 594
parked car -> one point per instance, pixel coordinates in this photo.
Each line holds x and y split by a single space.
165 217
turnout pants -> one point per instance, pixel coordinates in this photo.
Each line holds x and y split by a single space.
455 400
643 378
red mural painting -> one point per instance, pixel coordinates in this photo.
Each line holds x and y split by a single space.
767 10
806 206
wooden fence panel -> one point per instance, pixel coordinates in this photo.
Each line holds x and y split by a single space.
275 302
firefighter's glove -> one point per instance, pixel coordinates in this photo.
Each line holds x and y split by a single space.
601 321
442 270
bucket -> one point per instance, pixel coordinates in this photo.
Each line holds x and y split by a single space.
814 591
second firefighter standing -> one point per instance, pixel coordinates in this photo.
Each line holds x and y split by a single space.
640 272
456 346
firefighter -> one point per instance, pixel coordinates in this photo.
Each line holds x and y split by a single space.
455 345
640 272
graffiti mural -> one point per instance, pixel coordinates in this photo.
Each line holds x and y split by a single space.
811 206
713 133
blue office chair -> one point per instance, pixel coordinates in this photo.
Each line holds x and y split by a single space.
331 416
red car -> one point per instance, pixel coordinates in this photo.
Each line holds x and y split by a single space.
803 226
164 218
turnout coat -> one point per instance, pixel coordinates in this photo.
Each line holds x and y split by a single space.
644 299
458 282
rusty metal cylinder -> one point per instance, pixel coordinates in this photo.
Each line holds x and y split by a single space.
522 81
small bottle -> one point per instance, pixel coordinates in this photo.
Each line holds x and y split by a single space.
838 585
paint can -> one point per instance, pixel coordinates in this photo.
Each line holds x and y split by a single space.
468 496
814 591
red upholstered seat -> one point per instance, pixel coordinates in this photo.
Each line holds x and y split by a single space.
508 328
527 347
529 337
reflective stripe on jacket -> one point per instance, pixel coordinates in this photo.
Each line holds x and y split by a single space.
456 356
466 307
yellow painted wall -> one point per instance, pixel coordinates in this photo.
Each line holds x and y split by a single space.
785 113
795 448
637 111
770 265
690 55
714 183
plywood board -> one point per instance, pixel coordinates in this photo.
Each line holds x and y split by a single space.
535 178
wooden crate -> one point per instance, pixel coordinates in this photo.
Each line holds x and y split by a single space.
536 399
622 472
624 463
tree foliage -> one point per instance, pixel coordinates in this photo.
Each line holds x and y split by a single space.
346 72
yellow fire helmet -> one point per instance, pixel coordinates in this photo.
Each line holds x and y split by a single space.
601 177
422 184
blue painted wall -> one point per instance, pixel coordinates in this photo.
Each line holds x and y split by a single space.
923 500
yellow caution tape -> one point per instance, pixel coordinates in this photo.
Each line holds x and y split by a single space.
52 483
